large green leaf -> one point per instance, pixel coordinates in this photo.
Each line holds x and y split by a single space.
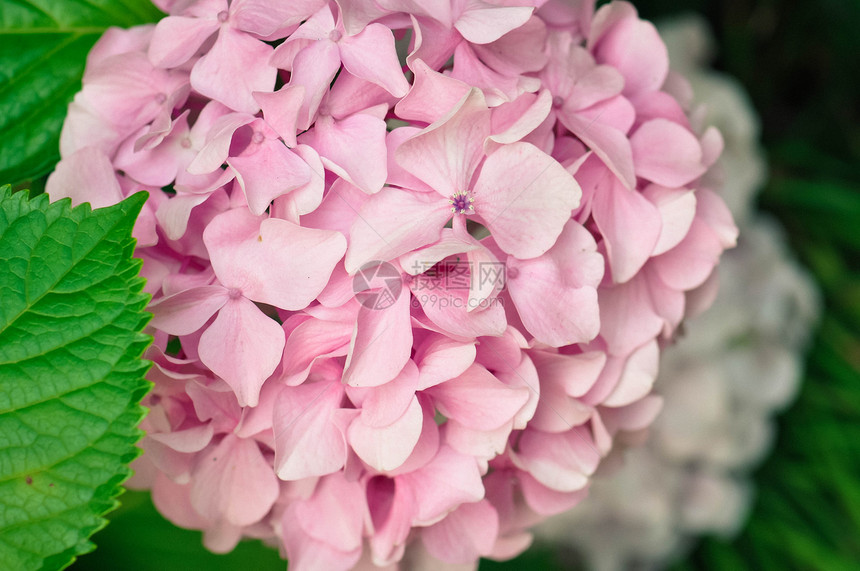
43 49
71 373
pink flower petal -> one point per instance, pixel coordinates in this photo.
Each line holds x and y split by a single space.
353 147
446 154
187 311
393 222
176 39
630 225
482 22
525 197
477 399
666 153
307 441
220 489
242 346
556 293
466 534
370 55
236 66
386 448
381 344
254 255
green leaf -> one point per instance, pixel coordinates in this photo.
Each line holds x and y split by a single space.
43 50
71 373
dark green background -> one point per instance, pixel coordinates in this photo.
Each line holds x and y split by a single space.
800 62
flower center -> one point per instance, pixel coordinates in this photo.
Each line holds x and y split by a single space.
335 35
223 15
258 137
234 293
557 101
461 202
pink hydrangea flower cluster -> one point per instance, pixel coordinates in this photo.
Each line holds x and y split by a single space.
412 263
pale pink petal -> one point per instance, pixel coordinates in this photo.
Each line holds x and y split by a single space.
177 38
666 153
630 226
236 66
85 176
268 170
562 462
386 448
315 67
449 480
335 514
314 339
262 17
637 377
555 294
441 359
433 94
281 110
466 534
370 55
607 142
393 222
254 255
214 153
688 265
525 197
519 51
634 47
353 147
477 399
381 343
482 23
187 311
627 315
242 346
220 489
186 440
677 209
307 442
446 154
382 405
